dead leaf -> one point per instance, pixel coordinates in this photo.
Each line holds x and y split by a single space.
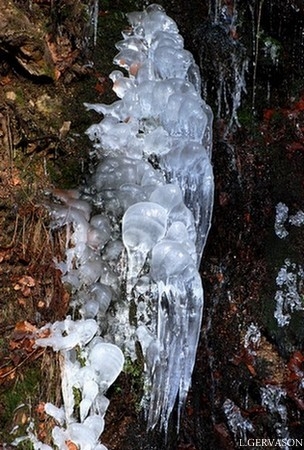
71 445
22 302
27 281
7 373
25 327
25 284
5 80
64 130
40 409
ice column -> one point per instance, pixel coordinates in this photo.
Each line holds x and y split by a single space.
139 226
155 175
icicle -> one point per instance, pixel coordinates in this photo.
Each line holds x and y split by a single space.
164 226
152 197
273 398
224 63
238 425
94 11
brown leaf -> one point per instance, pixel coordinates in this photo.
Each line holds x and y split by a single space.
25 327
27 281
24 284
7 373
71 445
22 302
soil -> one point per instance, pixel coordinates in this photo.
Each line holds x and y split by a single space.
43 145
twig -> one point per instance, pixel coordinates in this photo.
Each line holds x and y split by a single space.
39 351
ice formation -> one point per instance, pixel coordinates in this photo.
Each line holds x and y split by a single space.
289 280
238 424
288 296
252 338
280 220
223 60
273 398
136 233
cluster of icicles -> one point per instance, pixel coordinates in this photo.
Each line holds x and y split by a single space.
135 235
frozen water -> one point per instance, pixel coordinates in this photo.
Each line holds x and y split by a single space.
273 398
297 219
68 334
189 166
143 225
252 338
237 423
288 298
85 435
136 233
280 220
166 208
57 413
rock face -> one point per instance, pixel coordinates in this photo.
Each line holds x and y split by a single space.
265 161
22 43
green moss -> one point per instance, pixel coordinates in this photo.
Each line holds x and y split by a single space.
17 401
77 400
134 372
248 119
80 357
65 174
20 100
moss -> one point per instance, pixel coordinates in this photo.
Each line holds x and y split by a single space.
134 372
80 357
18 402
20 100
248 119
65 175
77 401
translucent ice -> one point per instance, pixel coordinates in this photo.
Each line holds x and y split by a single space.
170 259
107 360
288 298
68 334
143 225
136 232
57 413
238 424
280 219
297 219
85 435
101 294
273 398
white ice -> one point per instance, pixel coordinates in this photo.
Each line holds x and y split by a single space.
136 233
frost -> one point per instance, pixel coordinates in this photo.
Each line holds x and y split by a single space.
280 219
237 423
273 398
252 338
288 299
297 219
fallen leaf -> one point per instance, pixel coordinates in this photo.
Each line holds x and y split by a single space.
5 80
7 372
27 281
22 302
25 327
71 445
